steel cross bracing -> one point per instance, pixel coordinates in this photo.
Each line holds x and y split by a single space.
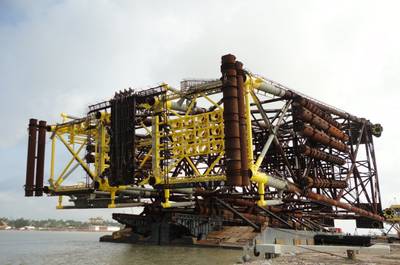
266 154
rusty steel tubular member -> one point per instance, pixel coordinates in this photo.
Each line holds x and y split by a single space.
231 121
321 155
41 147
242 124
310 182
319 122
30 163
306 103
318 197
319 136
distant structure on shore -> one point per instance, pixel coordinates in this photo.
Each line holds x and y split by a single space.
92 225
4 226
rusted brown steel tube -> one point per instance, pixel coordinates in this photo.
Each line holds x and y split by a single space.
242 124
324 183
315 153
250 203
274 88
321 137
342 114
320 123
30 163
231 121
40 159
315 109
322 198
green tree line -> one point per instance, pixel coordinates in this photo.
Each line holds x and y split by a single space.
50 223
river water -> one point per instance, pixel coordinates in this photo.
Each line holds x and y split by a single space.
54 248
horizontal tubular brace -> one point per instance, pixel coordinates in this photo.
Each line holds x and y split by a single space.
320 137
321 155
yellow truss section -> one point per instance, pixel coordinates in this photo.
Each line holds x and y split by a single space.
73 134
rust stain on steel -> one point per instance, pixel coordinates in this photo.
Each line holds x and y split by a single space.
324 183
320 123
322 198
315 109
321 137
231 120
315 153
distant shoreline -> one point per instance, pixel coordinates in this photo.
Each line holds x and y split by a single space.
57 230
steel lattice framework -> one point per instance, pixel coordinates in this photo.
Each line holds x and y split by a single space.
237 150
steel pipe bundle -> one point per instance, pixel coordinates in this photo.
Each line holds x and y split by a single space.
322 198
276 89
35 159
231 121
309 182
320 123
315 153
315 109
321 137
285 185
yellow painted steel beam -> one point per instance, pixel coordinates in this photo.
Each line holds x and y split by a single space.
59 205
170 167
101 149
52 161
260 178
248 124
196 171
112 196
191 105
212 101
60 178
195 179
166 203
175 113
145 127
146 157
156 148
73 153
214 163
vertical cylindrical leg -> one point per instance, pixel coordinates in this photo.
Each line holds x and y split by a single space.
30 163
40 159
231 121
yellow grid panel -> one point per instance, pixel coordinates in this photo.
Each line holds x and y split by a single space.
195 135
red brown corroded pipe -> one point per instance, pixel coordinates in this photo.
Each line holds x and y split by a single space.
315 153
231 121
242 125
322 198
324 183
40 159
321 137
315 109
320 123
30 163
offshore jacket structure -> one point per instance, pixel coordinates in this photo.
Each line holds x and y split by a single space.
241 150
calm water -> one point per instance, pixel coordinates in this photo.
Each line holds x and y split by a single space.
34 247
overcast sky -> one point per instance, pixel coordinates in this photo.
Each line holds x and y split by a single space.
60 56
